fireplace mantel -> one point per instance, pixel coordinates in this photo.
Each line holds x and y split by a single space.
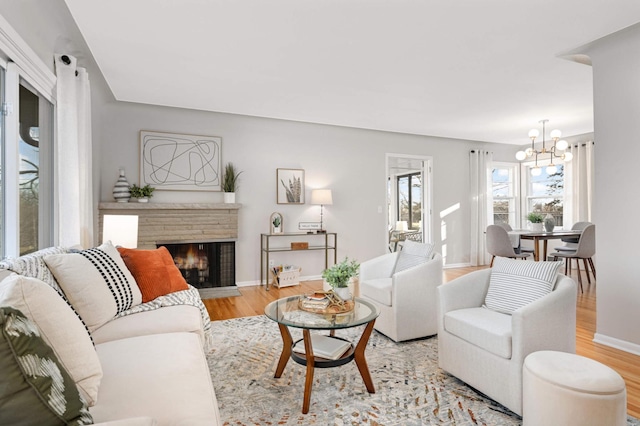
177 222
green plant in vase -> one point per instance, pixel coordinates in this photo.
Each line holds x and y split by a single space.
535 217
141 193
339 275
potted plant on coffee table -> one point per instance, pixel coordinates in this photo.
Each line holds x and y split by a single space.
340 276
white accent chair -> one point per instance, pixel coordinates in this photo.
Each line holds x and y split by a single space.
486 349
406 299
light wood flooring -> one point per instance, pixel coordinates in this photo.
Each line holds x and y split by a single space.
254 299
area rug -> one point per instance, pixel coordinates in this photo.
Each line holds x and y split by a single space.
218 292
410 388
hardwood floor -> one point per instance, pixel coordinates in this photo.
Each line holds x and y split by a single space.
254 299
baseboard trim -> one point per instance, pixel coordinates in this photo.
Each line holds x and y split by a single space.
623 345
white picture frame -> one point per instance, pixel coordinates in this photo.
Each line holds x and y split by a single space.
180 162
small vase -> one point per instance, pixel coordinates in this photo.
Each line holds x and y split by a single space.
229 197
143 199
536 227
549 222
121 189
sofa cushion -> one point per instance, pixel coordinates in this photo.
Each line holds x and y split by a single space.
516 283
168 319
163 374
487 329
378 289
154 271
96 282
32 265
413 254
35 389
59 327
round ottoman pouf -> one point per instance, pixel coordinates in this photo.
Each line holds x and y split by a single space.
560 388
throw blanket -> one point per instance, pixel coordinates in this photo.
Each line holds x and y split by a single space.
185 297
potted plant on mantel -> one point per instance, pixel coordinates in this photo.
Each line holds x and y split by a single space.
230 182
536 219
340 277
141 193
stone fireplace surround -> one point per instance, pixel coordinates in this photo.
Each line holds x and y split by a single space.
177 222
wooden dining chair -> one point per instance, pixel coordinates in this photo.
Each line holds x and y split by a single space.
585 250
499 244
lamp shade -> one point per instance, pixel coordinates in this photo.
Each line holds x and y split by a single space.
321 196
121 230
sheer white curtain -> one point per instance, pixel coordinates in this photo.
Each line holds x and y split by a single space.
74 188
481 204
579 184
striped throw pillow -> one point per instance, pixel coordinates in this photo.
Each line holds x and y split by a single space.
516 283
413 254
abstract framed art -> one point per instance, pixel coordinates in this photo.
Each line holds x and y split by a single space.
180 162
290 186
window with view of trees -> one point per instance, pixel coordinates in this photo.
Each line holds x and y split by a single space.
545 193
410 199
504 190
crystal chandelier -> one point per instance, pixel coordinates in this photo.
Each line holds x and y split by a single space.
557 151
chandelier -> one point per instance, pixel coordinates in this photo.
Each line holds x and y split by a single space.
554 152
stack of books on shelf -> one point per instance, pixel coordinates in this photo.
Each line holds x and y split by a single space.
324 347
315 301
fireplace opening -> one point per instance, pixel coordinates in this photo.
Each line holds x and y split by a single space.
205 265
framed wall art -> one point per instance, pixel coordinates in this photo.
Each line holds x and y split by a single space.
180 162
290 186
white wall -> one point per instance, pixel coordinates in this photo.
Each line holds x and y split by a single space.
349 161
616 75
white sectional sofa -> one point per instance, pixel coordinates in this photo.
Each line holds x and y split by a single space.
144 366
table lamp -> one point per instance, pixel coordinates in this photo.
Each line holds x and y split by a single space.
322 197
121 230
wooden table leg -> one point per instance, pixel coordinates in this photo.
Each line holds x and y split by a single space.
536 249
544 251
287 341
308 383
361 362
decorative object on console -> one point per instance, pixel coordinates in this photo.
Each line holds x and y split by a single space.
180 162
121 230
121 189
322 197
141 193
558 145
276 223
340 275
290 186
536 219
230 183
549 222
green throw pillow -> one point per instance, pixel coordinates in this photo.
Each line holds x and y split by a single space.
34 387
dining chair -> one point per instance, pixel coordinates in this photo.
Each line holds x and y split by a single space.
571 243
518 249
585 250
499 244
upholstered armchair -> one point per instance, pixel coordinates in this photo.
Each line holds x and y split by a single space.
486 348
405 293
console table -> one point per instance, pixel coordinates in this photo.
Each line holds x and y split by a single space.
323 242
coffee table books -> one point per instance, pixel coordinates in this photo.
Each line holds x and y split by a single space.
324 346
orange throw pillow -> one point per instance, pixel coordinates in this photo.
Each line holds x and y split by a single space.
154 271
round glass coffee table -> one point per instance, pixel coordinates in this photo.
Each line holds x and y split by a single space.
287 313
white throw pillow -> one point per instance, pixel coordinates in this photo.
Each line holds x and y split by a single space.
60 328
32 265
96 282
516 283
413 254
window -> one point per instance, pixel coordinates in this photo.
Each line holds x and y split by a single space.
504 191
409 202
545 192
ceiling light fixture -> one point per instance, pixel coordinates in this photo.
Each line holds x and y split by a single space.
554 151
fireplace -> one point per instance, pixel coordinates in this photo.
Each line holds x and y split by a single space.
206 264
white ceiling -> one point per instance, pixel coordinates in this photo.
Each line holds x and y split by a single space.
469 69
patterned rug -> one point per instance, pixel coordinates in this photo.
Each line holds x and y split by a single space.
410 388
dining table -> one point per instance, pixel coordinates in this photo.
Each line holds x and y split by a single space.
537 236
